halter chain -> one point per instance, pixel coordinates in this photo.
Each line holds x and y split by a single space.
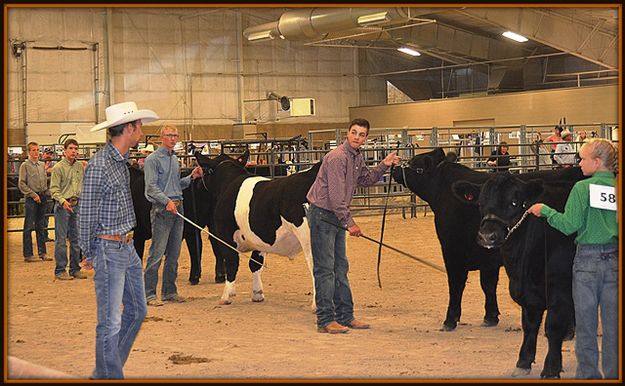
517 224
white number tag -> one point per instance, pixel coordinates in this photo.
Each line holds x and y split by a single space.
602 197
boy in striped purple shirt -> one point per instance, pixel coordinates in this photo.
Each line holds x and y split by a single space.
330 195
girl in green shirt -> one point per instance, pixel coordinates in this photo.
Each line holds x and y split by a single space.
591 212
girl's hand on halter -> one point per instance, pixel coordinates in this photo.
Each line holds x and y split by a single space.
535 209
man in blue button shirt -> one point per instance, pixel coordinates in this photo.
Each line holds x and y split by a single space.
163 188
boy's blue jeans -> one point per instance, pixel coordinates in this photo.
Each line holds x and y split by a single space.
34 220
66 227
166 240
330 267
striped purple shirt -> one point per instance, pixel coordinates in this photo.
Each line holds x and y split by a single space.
342 170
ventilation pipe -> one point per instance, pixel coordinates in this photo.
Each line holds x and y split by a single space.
312 23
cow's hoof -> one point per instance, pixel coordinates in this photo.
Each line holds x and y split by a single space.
220 279
490 322
447 327
550 374
225 302
258 297
194 281
519 372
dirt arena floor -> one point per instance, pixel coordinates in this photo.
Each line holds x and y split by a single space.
52 323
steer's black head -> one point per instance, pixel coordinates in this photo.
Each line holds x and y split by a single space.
411 173
503 199
210 166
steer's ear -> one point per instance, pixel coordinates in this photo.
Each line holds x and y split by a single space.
466 192
242 159
201 158
452 156
532 190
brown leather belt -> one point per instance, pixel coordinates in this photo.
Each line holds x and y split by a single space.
126 239
73 201
177 202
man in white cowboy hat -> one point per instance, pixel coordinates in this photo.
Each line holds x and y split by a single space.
106 217
565 152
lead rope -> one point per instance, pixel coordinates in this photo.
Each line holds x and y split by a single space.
388 193
220 240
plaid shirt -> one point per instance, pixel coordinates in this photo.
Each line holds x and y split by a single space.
105 203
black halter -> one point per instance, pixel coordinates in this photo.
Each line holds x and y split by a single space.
210 170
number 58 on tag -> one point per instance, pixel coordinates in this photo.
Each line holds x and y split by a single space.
602 197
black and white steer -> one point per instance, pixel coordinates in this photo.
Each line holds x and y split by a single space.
256 214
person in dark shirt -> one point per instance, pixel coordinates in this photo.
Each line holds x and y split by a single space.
500 158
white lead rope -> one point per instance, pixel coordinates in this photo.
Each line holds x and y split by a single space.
220 240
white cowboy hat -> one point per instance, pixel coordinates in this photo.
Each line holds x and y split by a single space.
564 133
123 113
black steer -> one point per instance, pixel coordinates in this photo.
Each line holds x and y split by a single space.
13 195
194 212
430 176
254 213
538 259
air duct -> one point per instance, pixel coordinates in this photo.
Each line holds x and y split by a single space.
313 23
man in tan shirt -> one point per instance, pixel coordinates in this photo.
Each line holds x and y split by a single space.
33 183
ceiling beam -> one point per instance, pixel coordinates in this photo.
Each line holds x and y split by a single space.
567 34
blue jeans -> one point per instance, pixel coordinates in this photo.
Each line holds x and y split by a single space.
118 280
66 226
330 267
595 289
166 240
34 220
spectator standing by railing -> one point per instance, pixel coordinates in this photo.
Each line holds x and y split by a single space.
565 151
48 164
541 150
33 183
553 138
499 159
65 187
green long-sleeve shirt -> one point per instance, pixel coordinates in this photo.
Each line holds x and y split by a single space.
66 180
593 225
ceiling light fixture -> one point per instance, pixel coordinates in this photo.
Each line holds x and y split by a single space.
515 37
374 18
260 35
409 51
